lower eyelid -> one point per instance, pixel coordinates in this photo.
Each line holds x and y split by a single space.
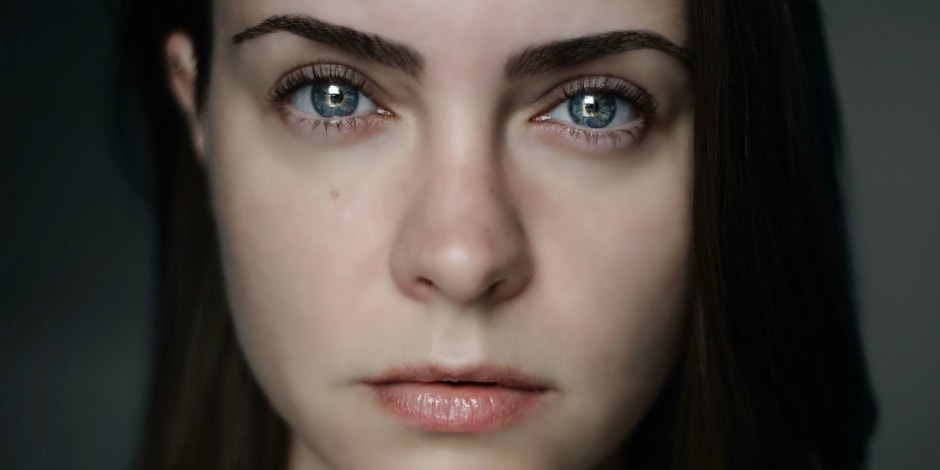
340 130
591 140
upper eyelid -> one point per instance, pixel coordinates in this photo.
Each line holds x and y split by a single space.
600 83
305 75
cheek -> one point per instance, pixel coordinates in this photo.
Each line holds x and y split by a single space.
300 244
632 300
613 296
298 266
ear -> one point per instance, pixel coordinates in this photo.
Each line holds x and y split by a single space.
182 70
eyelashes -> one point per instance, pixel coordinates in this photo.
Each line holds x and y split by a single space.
320 73
591 113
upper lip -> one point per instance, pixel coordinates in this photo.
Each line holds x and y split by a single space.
500 376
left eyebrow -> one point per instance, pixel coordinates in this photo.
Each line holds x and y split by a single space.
366 45
568 52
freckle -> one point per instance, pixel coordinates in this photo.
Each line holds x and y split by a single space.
334 194
492 190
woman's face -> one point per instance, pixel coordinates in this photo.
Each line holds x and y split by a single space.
455 234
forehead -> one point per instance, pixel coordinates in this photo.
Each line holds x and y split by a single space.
497 28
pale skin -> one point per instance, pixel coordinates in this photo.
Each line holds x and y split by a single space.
457 222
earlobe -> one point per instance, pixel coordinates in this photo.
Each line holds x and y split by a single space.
182 69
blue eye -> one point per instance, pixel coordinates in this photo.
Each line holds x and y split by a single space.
595 110
331 99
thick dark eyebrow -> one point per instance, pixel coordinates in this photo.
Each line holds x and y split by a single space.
540 59
365 45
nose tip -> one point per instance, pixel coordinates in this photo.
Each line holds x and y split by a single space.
465 245
465 273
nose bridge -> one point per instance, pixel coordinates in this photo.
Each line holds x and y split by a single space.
461 237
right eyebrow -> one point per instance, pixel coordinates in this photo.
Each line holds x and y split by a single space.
568 52
368 46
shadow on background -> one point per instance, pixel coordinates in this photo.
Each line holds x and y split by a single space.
75 252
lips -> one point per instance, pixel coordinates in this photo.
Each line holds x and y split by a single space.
458 400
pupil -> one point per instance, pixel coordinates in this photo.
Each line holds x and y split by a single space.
331 99
589 108
592 110
336 95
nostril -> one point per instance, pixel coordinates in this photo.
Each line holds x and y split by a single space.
424 283
506 289
491 290
419 288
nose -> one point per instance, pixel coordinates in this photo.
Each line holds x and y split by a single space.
462 238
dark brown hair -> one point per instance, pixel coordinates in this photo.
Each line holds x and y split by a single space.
772 375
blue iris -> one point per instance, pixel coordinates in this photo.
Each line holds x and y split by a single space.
334 99
594 110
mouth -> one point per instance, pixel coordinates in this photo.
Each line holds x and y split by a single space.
474 399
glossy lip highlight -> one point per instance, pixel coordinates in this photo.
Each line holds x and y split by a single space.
475 399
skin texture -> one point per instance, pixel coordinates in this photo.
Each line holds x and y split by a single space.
451 227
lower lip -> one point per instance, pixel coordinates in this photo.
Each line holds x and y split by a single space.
438 406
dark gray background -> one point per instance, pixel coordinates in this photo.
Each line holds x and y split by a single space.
76 258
